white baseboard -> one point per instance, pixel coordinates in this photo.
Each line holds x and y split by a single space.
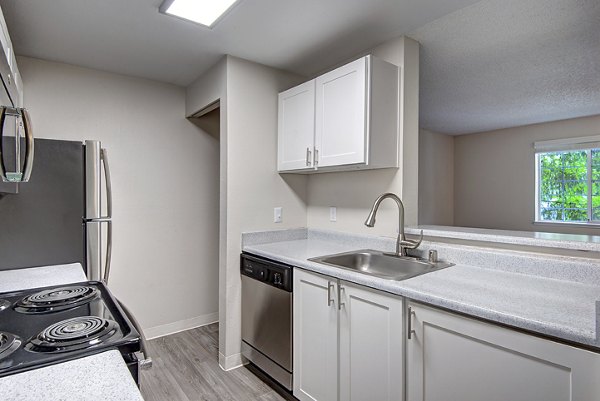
181 325
231 362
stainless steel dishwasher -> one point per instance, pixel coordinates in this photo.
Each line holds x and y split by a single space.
267 317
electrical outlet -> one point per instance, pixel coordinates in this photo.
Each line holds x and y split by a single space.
277 215
333 213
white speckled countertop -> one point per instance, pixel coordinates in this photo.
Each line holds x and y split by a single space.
45 276
94 378
519 289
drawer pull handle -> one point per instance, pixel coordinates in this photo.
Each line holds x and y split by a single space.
329 300
340 303
410 329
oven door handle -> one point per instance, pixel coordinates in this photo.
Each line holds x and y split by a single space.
145 363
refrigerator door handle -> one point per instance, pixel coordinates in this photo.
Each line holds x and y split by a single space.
96 159
104 157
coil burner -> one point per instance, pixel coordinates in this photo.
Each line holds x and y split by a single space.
56 299
9 343
73 334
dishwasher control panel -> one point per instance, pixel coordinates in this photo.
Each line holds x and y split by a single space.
268 271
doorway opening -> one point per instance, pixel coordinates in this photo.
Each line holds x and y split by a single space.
208 122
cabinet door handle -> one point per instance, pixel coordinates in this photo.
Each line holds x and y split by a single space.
410 329
316 156
308 154
340 303
329 299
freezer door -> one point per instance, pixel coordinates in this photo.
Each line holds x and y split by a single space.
42 224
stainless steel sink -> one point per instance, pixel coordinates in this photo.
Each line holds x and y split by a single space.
380 264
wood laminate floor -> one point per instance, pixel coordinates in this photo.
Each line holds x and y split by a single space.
186 368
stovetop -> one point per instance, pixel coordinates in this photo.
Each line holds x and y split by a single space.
43 326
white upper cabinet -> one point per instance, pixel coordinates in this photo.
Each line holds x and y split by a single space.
349 122
453 358
341 105
296 139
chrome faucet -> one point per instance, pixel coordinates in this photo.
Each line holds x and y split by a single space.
402 244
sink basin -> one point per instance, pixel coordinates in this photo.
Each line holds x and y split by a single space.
380 264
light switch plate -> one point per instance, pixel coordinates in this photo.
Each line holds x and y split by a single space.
277 215
332 213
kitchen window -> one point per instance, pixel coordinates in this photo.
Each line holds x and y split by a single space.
568 180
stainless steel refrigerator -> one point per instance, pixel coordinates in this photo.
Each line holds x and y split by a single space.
56 217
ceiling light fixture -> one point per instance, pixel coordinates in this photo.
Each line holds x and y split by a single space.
204 12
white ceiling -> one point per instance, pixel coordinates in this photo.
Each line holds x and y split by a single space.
131 37
505 63
484 65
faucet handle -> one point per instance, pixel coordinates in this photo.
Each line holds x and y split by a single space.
412 244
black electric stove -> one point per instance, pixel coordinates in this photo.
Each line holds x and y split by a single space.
44 326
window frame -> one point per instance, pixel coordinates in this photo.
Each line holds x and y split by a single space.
586 144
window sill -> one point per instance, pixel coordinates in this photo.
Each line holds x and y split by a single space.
567 224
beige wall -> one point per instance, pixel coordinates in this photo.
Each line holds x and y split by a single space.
494 183
207 89
436 178
165 181
353 192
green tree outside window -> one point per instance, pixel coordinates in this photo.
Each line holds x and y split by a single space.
569 186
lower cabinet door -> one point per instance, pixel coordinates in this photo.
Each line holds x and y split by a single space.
371 345
315 337
453 358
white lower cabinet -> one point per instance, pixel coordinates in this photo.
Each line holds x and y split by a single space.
371 346
453 358
348 350
315 349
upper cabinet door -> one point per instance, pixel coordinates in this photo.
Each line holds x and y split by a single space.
341 115
296 128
